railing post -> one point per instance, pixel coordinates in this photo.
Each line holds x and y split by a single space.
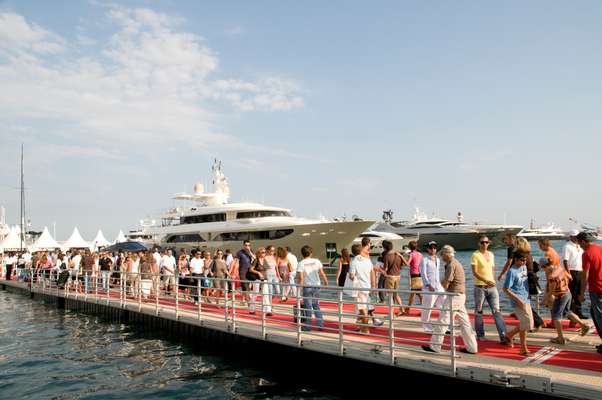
225 289
452 339
157 292
233 306
109 287
139 293
391 330
299 314
96 287
177 279
199 297
340 310
263 329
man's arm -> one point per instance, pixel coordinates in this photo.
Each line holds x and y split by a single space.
479 276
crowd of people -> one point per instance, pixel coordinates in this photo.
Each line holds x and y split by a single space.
436 279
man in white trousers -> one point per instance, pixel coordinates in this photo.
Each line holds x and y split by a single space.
454 282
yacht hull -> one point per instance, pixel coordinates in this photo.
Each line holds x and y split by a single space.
327 239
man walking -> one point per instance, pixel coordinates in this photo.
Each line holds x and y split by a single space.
392 263
591 278
483 263
572 261
454 282
310 270
242 263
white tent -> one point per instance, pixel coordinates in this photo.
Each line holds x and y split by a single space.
120 237
13 240
76 241
45 242
100 240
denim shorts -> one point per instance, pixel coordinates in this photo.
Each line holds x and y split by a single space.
560 304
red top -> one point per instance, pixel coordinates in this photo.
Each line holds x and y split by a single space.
592 261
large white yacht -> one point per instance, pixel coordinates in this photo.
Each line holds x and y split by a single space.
549 231
211 222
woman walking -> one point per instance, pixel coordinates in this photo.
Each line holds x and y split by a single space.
283 271
271 275
344 262
219 269
257 274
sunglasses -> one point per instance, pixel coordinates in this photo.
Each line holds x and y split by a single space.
522 259
484 242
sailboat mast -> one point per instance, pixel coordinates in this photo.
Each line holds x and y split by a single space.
22 201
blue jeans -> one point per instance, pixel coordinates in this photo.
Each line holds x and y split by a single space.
596 310
87 279
311 302
493 299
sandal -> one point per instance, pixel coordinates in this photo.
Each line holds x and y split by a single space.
509 343
526 353
557 340
584 330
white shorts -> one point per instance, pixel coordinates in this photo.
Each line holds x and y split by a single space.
362 299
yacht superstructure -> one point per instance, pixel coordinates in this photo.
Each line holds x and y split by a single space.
549 231
211 222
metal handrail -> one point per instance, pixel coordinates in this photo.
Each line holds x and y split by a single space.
127 291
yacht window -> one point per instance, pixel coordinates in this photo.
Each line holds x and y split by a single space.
261 214
368 235
185 238
200 219
253 235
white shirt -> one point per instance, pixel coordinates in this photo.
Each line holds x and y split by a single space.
311 268
429 272
362 268
294 262
157 258
572 255
169 264
229 260
197 265
77 260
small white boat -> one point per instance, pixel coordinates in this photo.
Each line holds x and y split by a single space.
549 231
378 237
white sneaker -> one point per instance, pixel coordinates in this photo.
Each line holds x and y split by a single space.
377 322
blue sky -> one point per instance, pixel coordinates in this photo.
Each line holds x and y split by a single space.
328 108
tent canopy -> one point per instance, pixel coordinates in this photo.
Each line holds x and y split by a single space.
45 242
76 241
13 240
100 240
120 237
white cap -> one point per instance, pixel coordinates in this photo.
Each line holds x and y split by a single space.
573 232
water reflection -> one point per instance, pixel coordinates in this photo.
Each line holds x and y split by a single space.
57 354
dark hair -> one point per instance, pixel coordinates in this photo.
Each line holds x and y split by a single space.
584 236
387 245
518 254
365 241
356 249
544 242
244 242
413 245
306 251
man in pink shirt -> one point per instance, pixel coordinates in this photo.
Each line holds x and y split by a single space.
415 281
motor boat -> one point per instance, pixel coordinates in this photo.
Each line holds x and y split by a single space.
549 231
209 221
377 238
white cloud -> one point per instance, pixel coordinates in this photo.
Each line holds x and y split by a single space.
151 84
18 35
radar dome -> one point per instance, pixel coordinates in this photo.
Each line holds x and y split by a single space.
198 188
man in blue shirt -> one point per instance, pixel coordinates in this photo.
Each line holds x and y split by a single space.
241 265
516 287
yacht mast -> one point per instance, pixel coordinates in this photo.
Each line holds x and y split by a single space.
22 202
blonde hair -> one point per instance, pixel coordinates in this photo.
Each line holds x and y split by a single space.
522 244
